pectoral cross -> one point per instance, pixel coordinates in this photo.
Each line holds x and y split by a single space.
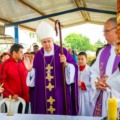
9 113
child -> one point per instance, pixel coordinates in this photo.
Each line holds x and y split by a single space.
84 85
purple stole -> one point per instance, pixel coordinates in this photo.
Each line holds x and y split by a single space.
102 65
48 94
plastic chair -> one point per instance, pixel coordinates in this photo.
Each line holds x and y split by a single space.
13 105
1 96
29 111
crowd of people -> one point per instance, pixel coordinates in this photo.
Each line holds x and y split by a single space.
61 83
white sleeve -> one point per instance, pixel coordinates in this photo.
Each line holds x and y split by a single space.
95 72
31 78
114 81
69 73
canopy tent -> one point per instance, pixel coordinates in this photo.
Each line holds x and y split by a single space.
28 13
5 39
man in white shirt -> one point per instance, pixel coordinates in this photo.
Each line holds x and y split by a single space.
104 66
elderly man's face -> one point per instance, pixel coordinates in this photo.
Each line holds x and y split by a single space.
47 44
110 32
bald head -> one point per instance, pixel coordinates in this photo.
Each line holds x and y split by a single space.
113 21
110 30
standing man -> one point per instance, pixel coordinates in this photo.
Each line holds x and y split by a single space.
104 66
48 94
14 75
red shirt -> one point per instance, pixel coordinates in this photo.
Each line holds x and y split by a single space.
14 78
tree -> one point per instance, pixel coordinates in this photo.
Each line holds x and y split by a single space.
77 41
80 43
66 45
99 43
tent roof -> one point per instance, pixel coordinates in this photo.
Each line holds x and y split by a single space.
69 12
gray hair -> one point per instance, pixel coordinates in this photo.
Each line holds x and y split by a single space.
113 20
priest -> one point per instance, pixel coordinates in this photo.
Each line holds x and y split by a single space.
104 66
45 78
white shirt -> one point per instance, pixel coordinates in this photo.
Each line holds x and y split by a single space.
95 72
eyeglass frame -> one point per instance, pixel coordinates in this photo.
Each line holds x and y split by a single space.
108 30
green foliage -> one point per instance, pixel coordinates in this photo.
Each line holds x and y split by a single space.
32 34
78 42
66 45
99 43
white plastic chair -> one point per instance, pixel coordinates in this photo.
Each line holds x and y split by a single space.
29 111
14 105
1 96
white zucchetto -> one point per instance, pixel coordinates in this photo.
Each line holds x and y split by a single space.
44 30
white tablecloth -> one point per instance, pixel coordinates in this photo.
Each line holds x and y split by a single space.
44 117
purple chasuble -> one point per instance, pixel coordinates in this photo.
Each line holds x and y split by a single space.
47 97
102 66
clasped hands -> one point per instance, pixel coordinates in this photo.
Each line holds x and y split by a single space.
101 84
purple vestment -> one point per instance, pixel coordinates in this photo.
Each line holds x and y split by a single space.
102 66
41 94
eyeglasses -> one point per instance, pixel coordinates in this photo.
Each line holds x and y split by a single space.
108 30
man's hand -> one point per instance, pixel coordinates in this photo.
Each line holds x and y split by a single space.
63 59
1 88
15 97
28 64
79 83
101 84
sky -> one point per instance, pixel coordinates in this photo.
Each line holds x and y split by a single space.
92 31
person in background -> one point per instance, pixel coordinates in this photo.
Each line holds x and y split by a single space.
97 51
14 75
70 51
31 89
32 55
35 48
28 50
26 55
84 85
4 56
104 66
46 77
74 55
